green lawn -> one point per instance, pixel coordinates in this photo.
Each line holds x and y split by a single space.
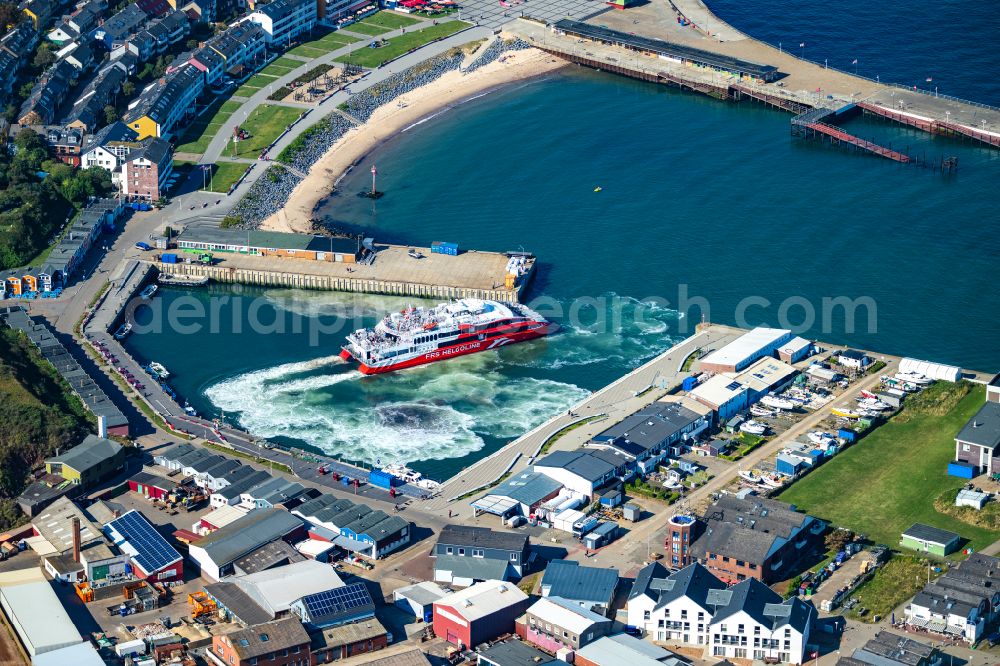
390 20
282 65
397 46
265 123
367 29
890 480
225 174
898 580
310 51
199 133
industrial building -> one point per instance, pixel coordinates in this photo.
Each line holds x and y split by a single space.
647 435
726 396
554 624
90 461
419 599
519 495
795 350
217 553
746 349
585 471
35 612
152 557
271 244
354 528
479 613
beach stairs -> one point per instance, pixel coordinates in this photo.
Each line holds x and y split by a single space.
471 58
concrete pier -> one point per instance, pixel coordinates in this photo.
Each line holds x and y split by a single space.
798 84
394 272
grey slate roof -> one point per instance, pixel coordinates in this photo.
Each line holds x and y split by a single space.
651 425
250 532
568 580
889 649
931 534
241 486
694 582
89 453
471 567
983 428
481 537
645 577
267 638
589 465
761 603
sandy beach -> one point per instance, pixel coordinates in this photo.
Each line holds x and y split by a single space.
389 119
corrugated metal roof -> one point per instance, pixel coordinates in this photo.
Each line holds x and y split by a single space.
44 623
569 580
246 534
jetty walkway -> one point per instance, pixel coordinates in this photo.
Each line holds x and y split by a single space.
682 43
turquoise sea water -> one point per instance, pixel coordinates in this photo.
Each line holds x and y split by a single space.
712 200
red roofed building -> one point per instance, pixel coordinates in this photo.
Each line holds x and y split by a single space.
479 613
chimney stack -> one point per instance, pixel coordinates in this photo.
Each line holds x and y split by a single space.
102 426
76 539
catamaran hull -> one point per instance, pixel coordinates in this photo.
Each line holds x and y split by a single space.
445 353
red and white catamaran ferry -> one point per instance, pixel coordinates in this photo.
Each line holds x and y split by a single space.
414 336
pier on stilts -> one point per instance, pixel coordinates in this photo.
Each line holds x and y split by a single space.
814 124
942 127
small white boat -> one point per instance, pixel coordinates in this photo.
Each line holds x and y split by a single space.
123 330
750 476
772 480
189 410
427 484
763 412
158 371
775 402
819 437
148 292
753 428
402 472
914 377
873 404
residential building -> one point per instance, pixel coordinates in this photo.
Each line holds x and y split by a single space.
889 649
282 643
151 555
117 29
75 26
147 169
167 30
87 113
479 613
519 495
216 553
673 607
80 55
165 104
592 588
755 538
928 539
962 603
854 359
465 554
553 623
752 621
647 435
514 653
625 650
48 93
746 349
90 461
584 471
243 46
66 142
40 12
976 443
208 62
284 21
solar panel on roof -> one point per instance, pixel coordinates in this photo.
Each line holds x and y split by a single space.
153 551
337 601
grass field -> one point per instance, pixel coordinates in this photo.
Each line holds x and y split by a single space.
225 174
282 66
390 20
894 583
367 29
199 134
889 481
264 124
397 46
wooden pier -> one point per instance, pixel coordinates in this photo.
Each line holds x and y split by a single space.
813 123
942 127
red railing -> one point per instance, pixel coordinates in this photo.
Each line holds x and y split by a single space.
841 135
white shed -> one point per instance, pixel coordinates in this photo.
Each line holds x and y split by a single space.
948 373
973 498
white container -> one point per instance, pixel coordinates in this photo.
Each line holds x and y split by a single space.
138 646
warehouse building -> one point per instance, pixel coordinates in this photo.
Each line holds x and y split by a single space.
271 244
35 612
216 554
354 528
151 555
648 435
90 461
726 396
746 349
795 350
768 375
419 599
585 471
519 495
479 613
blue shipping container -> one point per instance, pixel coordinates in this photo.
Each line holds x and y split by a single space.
847 435
962 470
689 383
381 479
168 258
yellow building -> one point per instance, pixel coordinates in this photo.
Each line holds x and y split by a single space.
92 460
